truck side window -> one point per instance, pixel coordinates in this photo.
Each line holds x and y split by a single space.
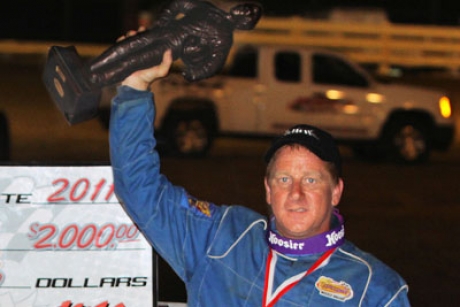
332 70
287 66
244 63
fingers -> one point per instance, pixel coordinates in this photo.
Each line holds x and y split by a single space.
165 65
131 33
161 70
142 79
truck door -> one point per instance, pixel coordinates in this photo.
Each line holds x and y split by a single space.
345 92
311 88
239 106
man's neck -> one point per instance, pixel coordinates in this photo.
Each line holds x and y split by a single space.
317 244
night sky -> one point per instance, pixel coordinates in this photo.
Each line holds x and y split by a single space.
104 20
405 11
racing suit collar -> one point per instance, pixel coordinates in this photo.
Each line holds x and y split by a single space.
320 243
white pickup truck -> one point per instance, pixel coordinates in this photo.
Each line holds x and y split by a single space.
267 88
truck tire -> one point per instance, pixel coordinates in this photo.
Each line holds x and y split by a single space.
4 138
188 134
408 141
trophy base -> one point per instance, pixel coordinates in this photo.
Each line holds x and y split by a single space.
67 86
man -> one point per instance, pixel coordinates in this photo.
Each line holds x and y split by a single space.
230 255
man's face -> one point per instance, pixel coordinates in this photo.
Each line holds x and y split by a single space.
301 193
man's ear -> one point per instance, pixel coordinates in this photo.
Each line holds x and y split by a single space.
337 193
267 191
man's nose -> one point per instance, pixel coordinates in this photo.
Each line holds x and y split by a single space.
296 190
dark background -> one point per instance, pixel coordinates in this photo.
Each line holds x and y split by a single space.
406 215
104 20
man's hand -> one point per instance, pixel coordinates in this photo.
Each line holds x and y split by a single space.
142 79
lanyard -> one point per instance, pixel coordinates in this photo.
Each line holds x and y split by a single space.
270 298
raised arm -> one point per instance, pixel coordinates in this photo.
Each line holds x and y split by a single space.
170 219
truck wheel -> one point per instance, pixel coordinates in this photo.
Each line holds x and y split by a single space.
408 142
188 135
4 138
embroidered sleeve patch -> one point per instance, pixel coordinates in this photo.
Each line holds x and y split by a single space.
203 207
328 287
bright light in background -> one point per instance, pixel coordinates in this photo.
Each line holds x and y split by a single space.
350 109
334 94
374 98
445 107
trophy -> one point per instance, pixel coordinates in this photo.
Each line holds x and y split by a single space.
197 32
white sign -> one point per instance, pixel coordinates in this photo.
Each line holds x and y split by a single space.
65 241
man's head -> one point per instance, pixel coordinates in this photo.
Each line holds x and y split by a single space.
303 181
318 141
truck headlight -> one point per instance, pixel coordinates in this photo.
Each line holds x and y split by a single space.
445 107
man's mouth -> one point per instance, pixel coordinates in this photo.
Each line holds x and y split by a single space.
298 210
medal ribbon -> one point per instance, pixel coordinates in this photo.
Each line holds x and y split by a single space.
271 298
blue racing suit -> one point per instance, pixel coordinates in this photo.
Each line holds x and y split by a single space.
220 252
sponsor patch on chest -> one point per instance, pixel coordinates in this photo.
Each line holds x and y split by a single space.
203 207
330 288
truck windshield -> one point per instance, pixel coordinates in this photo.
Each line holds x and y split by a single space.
244 63
332 70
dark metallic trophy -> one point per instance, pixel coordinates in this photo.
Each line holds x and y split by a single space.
197 32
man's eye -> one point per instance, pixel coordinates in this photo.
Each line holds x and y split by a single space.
284 179
310 180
